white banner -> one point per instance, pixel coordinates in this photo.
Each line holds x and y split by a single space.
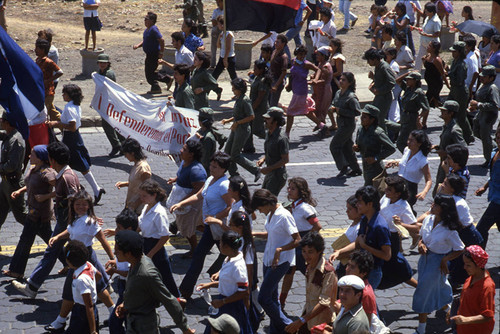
159 128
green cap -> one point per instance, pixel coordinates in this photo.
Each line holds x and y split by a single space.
206 113
274 112
488 71
414 75
458 46
225 324
103 58
371 110
452 106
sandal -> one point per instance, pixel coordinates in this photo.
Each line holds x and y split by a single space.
11 274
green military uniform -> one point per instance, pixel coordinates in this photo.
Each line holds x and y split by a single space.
384 80
275 146
202 78
11 167
209 145
258 129
237 138
413 100
191 9
348 108
184 97
373 142
114 138
352 321
460 93
144 292
488 103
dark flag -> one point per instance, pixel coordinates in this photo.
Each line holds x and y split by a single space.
261 15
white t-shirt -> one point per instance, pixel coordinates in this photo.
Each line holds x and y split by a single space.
439 240
404 57
409 8
279 226
233 276
271 39
484 51
431 26
411 170
400 208
84 229
352 232
472 67
154 223
84 283
463 211
301 212
331 30
90 12
216 13
122 266
238 206
184 56
72 113
223 45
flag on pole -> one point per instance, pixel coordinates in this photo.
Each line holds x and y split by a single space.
261 15
22 92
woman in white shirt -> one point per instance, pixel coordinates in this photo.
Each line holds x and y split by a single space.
226 45
282 239
440 243
69 124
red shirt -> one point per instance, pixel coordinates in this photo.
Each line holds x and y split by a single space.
48 68
368 300
478 299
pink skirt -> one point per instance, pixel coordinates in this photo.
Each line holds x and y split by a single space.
300 105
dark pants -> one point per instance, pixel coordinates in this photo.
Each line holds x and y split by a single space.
162 263
18 207
236 141
469 236
274 98
231 68
341 144
275 181
79 323
115 139
490 217
32 228
150 66
412 193
116 325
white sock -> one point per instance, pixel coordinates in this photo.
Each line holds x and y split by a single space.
111 308
59 322
421 327
93 183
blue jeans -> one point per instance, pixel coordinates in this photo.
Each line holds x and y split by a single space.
375 277
490 217
295 34
344 6
268 297
200 252
44 267
116 325
162 263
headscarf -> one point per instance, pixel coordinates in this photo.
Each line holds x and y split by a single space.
479 255
41 152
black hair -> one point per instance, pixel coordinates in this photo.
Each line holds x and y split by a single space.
232 239
242 219
152 16
456 182
313 239
127 218
263 197
183 69
43 44
436 47
369 194
282 38
352 201
364 261
326 11
193 28
470 40
300 49
74 92
46 34
238 184
178 36
240 85
338 43
303 188
266 48
449 215
203 57
387 28
422 138
373 54
430 7
392 51
261 64
222 159
402 7
468 10
351 79
81 195
495 39
280 120
132 146
153 188
59 152
125 246
459 153
196 148
398 184
76 253
401 36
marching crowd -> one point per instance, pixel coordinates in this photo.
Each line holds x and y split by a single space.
210 197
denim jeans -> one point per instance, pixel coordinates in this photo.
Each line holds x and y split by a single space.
117 325
295 34
344 6
162 263
490 217
44 267
375 277
200 252
268 297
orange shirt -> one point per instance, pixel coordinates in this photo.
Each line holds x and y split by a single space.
478 299
48 68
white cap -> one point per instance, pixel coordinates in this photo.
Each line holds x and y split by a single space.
352 281
325 50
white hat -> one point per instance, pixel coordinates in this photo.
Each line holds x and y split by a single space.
325 50
328 1
315 24
352 281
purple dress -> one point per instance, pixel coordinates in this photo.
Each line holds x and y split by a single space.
298 104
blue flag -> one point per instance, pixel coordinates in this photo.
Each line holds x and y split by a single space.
22 91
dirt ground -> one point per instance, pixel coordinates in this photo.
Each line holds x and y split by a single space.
123 25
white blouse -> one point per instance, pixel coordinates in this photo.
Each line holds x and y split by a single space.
400 208
72 113
280 226
154 223
301 212
233 276
440 239
463 211
84 229
411 169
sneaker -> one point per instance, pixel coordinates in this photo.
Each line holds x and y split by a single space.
353 22
24 289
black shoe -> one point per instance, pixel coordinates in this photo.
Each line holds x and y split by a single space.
53 330
98 197
115 151
172 227
257 176
354 173
485 164
342 172
250 150
218 91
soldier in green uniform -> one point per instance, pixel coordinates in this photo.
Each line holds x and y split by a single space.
451 134
190 9
202 81
240 130
184 97
275 152
373 144
458 90
11 167
144 290
384 80
486 103
209 137
412 102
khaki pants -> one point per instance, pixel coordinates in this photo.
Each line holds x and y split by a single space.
54 115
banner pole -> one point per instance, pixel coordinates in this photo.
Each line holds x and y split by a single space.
225 21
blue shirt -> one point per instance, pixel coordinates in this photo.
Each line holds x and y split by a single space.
213 203
150 39
465 175
195 172
298 17
192 42
494 182
377 234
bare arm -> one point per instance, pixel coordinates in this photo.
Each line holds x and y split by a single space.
105 244
161 242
